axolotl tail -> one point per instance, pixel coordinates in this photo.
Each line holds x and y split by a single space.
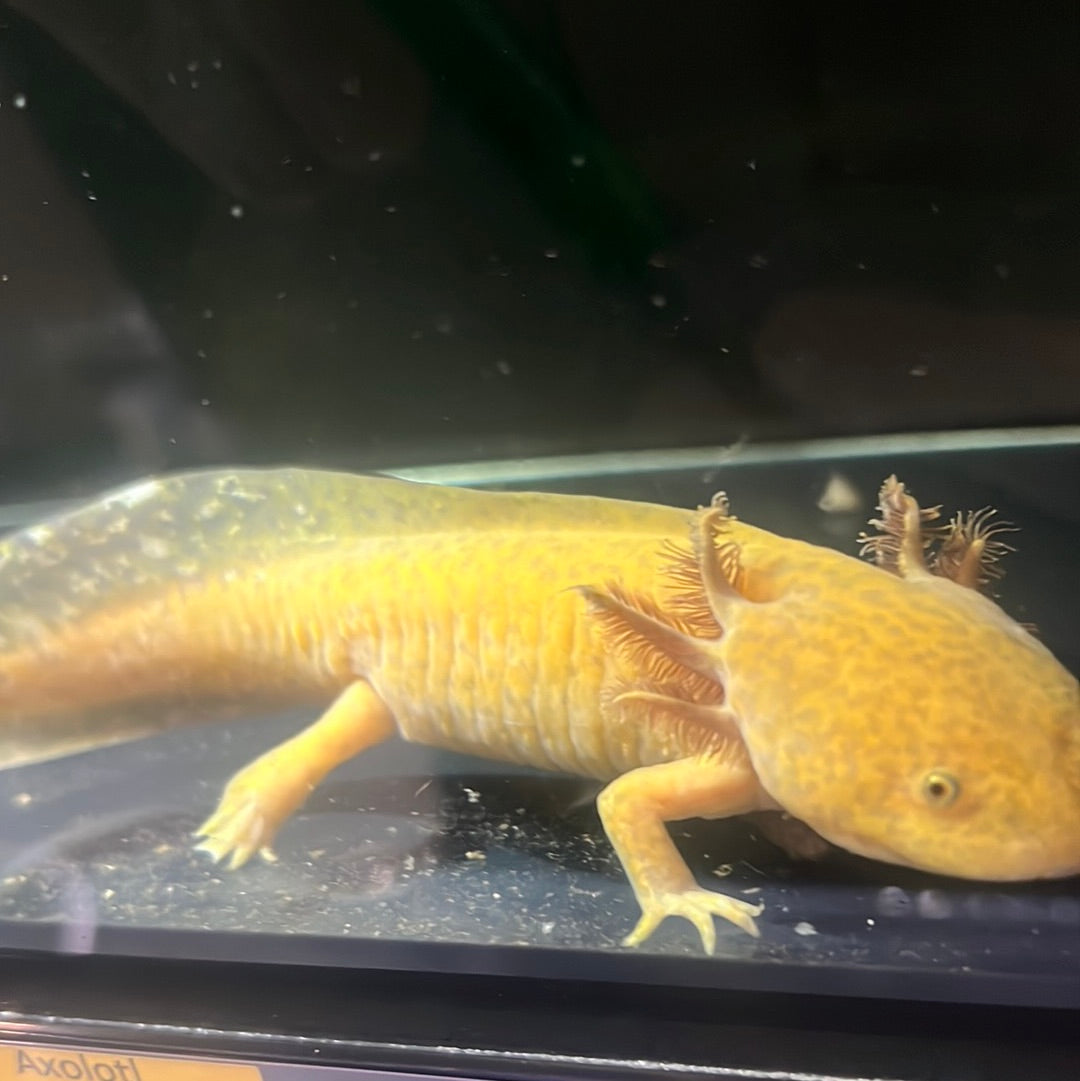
99 638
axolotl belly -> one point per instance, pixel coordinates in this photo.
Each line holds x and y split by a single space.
701 666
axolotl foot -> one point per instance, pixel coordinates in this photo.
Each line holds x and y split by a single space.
698 906
263 794
252 808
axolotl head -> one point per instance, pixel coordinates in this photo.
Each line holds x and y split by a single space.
894 708
942 737
906 717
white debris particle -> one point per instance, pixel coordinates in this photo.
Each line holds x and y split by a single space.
19 101
840 496
723 870
658 300
391 209
759 261
804 928
204 401
503 367
193 65
236 210
1002 270
919 370
5 277
752 165
547 926
21 799
374 155
475 854
577 160
472 795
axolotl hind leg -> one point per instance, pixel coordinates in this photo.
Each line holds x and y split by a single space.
259 798
635 808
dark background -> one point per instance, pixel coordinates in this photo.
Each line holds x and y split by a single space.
374 234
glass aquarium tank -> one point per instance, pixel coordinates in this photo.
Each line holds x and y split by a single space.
502 495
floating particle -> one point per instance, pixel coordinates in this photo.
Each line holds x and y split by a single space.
840 496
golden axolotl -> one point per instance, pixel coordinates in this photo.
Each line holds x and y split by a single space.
701 666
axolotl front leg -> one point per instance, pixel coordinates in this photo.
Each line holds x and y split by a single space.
635 809
262 795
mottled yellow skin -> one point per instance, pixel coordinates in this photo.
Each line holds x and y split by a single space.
553 631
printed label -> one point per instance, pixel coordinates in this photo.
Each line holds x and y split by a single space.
26 1062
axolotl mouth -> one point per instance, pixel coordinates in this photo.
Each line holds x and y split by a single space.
870 848
1020 859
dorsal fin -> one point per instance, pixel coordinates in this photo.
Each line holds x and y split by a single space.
184 526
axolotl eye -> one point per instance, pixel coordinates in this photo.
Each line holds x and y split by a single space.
939 788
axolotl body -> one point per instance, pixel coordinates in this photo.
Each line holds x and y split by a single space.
701 666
